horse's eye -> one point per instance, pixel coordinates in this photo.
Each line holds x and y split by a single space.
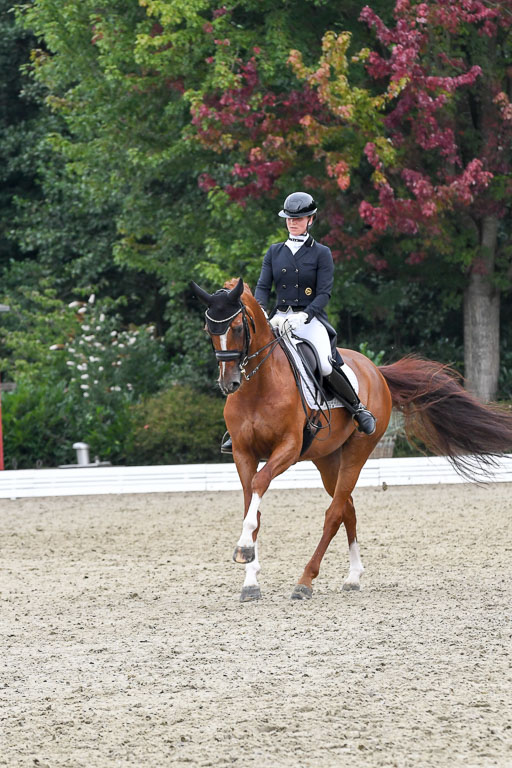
237 330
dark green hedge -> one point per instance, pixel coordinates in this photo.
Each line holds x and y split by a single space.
176 426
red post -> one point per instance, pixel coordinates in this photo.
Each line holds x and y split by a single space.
3 308
1 435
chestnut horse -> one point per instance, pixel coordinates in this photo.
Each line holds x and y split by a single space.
266 417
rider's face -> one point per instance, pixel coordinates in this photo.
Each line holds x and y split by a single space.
298 226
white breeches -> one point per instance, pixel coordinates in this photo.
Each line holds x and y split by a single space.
316 333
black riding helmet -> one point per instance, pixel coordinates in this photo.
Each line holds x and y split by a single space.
297 205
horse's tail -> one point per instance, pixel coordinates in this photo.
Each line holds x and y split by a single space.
447 419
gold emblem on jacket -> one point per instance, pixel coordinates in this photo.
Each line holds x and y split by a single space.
308 291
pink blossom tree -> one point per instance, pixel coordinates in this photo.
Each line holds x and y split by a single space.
452 128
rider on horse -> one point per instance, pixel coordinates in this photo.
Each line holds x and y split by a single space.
302 271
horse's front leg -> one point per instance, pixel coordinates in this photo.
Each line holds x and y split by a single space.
251 589
246 549
245 553
280 459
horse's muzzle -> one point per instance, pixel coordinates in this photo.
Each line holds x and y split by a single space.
230 376
228 387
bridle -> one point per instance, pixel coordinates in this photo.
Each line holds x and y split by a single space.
241 355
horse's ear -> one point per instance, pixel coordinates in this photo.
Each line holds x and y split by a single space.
201 294
237 291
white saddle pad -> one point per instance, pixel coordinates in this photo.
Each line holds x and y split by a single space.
312 397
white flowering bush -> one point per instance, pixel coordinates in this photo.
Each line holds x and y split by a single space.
106 363
78 373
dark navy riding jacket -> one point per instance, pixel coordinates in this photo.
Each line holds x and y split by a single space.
302 281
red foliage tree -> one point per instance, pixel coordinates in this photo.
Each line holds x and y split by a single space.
433 125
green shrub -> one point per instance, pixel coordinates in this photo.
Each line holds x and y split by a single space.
375 357
177 426
42 420
35 426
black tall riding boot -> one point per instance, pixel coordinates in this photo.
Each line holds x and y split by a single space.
342 388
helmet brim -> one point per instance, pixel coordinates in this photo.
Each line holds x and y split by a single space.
299 215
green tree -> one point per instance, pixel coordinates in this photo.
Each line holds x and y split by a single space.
120 83
125 79
50 223
187 123
17 109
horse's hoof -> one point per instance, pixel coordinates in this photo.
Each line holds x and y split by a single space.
250 593
244 555
351 587
301 592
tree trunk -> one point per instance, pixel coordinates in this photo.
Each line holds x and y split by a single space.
482 319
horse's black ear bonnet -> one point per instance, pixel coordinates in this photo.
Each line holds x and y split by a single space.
222 311
223 306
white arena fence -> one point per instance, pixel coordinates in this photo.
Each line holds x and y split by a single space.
88 481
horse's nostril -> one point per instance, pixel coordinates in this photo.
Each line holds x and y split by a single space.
229 385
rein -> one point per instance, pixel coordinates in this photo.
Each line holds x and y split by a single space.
272 344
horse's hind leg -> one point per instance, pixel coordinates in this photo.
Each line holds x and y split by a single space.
356 567
333 517
329 469
348 465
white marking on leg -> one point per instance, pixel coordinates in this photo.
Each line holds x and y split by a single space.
250 522
252 570
356 568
